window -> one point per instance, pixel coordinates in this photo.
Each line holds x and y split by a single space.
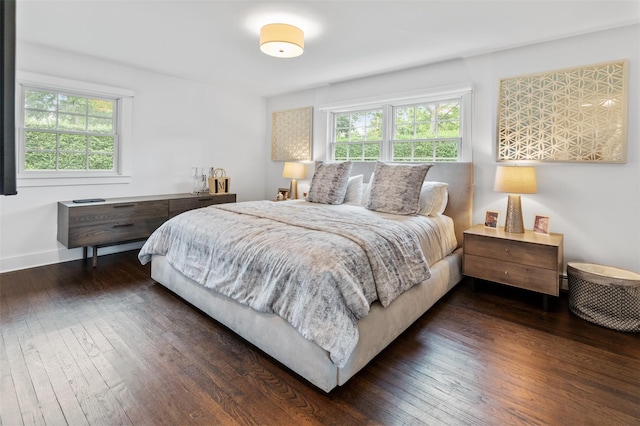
426 132
64 131
71 131
404 130
358 135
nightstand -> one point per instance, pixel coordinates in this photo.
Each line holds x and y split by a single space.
529 261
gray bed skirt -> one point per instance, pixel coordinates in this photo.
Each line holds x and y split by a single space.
277 338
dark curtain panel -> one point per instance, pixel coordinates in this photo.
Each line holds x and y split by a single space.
7 124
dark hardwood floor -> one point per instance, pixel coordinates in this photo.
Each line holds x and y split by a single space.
109 346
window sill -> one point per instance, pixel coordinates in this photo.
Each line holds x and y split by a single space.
41 181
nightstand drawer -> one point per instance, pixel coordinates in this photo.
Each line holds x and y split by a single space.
517 275
537 255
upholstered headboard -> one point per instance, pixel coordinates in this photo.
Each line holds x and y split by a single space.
459 176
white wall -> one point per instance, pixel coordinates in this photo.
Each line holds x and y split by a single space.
177 124
595 206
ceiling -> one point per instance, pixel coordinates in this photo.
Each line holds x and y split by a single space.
216 42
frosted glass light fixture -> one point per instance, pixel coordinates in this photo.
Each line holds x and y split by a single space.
281 40
515 180
294 171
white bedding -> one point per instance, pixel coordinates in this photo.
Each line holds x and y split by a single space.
268 228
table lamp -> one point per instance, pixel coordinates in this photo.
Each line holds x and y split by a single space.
293 171
515 180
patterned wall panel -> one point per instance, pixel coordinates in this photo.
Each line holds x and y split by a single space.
291 134
577 114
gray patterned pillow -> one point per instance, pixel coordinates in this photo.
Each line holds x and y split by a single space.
396 187
329 183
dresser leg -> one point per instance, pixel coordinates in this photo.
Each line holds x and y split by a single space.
545 302
473 284
94 261
84 253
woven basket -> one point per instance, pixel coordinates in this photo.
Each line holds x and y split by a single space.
605 295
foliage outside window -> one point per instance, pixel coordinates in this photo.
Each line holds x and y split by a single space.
417 132
426 132
358 135
69 132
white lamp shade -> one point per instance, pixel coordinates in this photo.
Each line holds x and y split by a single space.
294 171
516 179
281 40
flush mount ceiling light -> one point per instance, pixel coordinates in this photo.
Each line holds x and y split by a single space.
281 40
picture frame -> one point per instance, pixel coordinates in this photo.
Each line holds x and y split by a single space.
541 224
284 192
491 219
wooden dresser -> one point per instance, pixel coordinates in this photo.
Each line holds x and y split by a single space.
530 261
121 220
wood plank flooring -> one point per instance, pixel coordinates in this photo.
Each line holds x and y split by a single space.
107 345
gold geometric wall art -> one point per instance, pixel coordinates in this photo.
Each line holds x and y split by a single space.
575 114
291 134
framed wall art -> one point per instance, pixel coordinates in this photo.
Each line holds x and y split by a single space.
575 114
291 134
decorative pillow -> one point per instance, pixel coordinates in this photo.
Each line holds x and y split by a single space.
433 198
354 190
329 183
396 187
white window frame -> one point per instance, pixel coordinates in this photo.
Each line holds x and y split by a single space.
124 131
462 92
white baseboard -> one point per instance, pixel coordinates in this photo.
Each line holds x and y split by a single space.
34 260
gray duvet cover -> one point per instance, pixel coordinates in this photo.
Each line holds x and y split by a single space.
318 268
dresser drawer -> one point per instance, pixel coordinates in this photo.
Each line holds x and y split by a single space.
181 205
112 222
538 255
126 229
529 277
118 212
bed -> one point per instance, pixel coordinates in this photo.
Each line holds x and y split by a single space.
302 351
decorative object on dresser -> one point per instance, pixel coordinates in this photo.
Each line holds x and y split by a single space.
515 180
529 260
219 182
294 171
119 220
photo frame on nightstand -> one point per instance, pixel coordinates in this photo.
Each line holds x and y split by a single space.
283 194
541 224
491 219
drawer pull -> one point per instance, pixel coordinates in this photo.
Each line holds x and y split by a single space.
506 272
119 206
204 199
506 250
123 225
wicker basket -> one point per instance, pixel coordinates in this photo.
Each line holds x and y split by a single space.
604 295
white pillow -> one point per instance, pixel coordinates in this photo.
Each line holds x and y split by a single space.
366 191
433 198
354 190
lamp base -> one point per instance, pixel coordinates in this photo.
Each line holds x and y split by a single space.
293 189
514 223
